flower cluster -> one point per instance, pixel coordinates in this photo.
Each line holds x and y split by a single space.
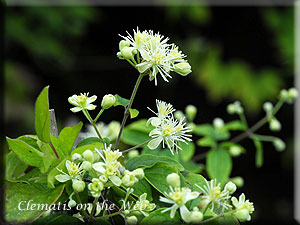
154 55
168 130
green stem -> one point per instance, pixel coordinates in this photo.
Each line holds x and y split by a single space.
135 147
243 119
96 129
99 114
126 113
131 63
138 57
88 116
216 217
206 208
83 211
263 137
258 125
110 215
94 208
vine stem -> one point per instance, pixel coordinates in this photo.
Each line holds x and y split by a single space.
94 208
126 113
82 210
216 217
135 147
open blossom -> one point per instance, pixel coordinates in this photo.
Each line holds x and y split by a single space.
179 197
243 208
82 102
213 194
169 133
163 111
74 172
143 205
157 56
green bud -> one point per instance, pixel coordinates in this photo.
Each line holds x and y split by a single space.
293 93
86 165
275 125
108 101
268 107
218 123
96 156
71 203
139 173
132 220
203 203
178 115
126 212
230 187
88 155
173 179
78 185
238 181
133 154
127 52
231 109
103 179
235 150
279 144
123 44
242 215
119 55
284 95
76 157
182 68
191 112
196 217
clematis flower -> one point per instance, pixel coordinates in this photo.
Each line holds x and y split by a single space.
74 172
96 187
82 102
243 208
143 205
179 197
163 111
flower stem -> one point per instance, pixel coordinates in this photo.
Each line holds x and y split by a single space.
82 210
99 114
110 215
126 113
135 147
93 122
263 137
216 217
94 208
206 208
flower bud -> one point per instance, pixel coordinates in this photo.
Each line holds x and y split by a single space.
238 181
139 173
86 165
132 220
275 125
76 157
133 153
242 215
123 44
96 156
279 144
196 217
182 68
203 203
284 95
293 93
88 155
230 187
178 115
108 101
71 203
235 150
119 55
231 109
268 107
173 179
218 123
127 52
103 179
78 185
191 112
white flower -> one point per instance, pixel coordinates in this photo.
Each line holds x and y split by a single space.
213 194
157 55
96 187
74 172
143 205
163 111
179 197
169 133
243 208
82 102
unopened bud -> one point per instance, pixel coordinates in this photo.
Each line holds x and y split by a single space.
183 68
71 203
123 44
191 112
178 115
196 217
86 165
132 220
268 107
238 181
242 215
133 153
173 179
230 187
78 185
76 157
108 101
235 150
88 155
218 123
293 93
127 52
275 125
139 173
279 144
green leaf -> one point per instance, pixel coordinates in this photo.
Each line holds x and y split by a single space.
121 101
55 171
68 136
204 130
14 167
187 152
133 137
235 125
192 166
157 217
219 164
100 221
58 146
226 220
91 140
133 113
206 142
49 156
58 219
25 152
142 187
32 140
42 116
193 179
91 147
259 157
19 194
140 125
148 160
157 174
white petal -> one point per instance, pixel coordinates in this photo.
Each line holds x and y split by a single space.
190 196
154 143
173 210
76 109
99 166
90 107
62 178
155 121
185 214
145 54
142 67
163 199
143 197
116 180
91 99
